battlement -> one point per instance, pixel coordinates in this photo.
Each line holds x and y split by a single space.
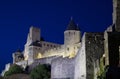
56 51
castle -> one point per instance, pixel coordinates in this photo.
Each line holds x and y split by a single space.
80 57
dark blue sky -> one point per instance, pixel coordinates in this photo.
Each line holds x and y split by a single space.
52 16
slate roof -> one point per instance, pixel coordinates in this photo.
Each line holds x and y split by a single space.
36 43
72 26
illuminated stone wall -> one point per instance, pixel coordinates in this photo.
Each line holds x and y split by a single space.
48 49
33 35
34 52
71 37
80 62
61 51
62 68
36 62
46 52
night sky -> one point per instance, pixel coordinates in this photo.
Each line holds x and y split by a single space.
52 17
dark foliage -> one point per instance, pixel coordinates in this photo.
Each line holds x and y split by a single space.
41 72
14 69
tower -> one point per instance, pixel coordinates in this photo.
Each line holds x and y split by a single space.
71 38
116 14
17 56
34 34
33 37
72 33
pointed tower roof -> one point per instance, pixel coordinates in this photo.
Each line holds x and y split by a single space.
36 43
72 25
18 50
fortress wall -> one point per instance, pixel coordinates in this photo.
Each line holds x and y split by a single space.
94 43
48 45
80 62
47 60
62 68
57 51
87 60
62 51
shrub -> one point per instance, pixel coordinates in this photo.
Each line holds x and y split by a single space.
41 72
14 69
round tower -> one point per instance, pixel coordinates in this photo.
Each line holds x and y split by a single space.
72 39
72 34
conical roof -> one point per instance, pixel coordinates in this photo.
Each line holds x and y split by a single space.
72 25
18 50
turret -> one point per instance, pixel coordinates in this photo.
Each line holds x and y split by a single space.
33 36
71 39
17 56
72 33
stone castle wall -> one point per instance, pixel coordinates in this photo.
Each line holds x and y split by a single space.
62 68
36 62
94 46
87 60
80 62
56 51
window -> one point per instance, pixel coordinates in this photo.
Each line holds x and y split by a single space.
69 33
44 44
74 33
51 45
74 47
68 49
